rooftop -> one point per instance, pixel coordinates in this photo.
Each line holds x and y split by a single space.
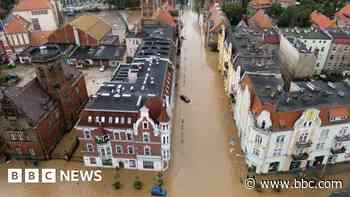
101 52
28 5
131 85
92 25
302 94
305 33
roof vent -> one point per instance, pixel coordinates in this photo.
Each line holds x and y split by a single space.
341 93
331 85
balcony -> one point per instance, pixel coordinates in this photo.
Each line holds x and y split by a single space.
300 156
303 144
342 138
338 150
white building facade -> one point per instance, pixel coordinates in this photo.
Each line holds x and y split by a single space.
311 140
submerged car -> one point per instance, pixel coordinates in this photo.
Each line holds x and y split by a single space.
185 99
158 191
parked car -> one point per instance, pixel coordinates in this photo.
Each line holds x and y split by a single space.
185 99
158 191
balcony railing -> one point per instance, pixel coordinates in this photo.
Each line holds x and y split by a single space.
303 144
338 150
342 138
300 156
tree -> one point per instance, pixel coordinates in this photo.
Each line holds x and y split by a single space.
275 10
234 13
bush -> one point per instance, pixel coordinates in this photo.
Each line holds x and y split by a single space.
117 185
138 184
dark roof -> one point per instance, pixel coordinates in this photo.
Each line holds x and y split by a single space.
121 94
302 94
153 46
101 52
30 100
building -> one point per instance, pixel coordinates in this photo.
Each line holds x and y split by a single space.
86 30
338 61
259 4
260 20
17 33
44 15
36 116
293 127
213 22
297 60
343 16
316 40
322 21
97 56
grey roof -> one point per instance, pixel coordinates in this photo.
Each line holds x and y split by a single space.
31 100
121 94
102 52
306 33
302 94
153 46
339 32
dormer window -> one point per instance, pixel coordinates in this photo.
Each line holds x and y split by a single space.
90 119
145 125
97 119
263 124
103 119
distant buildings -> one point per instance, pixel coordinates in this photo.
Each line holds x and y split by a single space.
127 124
29 24
86 30
35 117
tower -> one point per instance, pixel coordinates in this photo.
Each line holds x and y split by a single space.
165 134
48 68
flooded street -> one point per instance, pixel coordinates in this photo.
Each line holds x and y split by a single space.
202 165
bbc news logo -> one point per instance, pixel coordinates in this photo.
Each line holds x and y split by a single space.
52 175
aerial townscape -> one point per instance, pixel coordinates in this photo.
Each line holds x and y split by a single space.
176 97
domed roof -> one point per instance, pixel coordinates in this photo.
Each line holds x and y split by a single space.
154 104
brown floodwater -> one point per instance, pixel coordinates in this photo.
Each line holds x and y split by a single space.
202 163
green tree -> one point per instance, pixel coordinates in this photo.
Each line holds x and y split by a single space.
275 10
234 13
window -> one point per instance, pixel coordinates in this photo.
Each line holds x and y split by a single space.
324 134
119 149
36 24
129 120
258 139
146 137
319 146
256 152
277 152
110 120
132 163
128 136
31 152
303 137
122 120
103 119
39 12
89 148
167 139
280 139
147 150
116 120
342 131
90 119
148 164
145 125
13 136
93 160
97 119
130 150
116 136
87 134
163 140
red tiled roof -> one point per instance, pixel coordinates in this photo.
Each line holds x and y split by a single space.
17 24
25 5
39 38
163 117
261 19
154 104
321 20
165 17
342 40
